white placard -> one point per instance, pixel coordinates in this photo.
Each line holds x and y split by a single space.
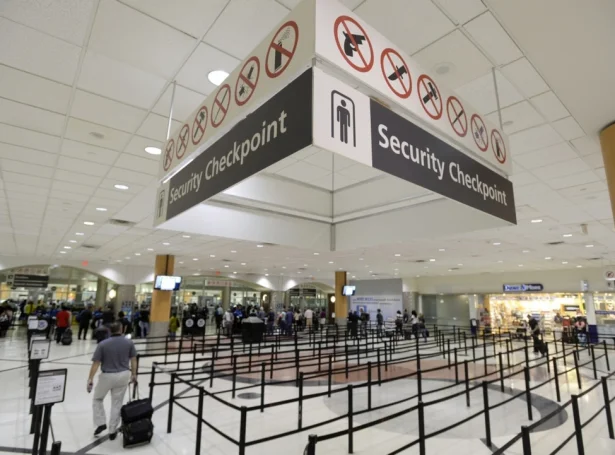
34 338
50 387
39 349
32 323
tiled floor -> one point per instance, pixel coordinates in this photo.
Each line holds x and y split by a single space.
73 425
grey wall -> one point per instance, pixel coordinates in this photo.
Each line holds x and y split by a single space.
378 287
451 309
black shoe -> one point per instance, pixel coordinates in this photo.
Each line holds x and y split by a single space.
112 436
100 429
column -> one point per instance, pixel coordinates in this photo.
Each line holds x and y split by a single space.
607 142
101 292
160 311
126 296
590 309
226 297
341 303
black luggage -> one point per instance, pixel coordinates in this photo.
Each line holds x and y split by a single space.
139 432
101 334
135 411
541 346
67 337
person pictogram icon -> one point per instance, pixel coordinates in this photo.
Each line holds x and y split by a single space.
343 118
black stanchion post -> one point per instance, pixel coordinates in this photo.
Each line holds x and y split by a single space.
271 363
606 356
297 365
467 381
486 412
556 377
485 357
525 437
300 403
465 343
329 375
212 367
319 355
607 407
152 379
578 430
179 352
346 360
350 425
193 360
448 351
456 368
369 385
576 369
547 354
37 417
528 393
379 371
311 447
564 352
250 359
199 422
474 349
234 375
443 347
171 400
166 349
263 372
422 445
45 430
594 362
527 356
242 430
419 384
508 348
386 359
501 371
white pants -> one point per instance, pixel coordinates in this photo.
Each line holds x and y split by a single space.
116 383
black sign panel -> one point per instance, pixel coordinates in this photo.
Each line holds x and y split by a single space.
28 281
536 287
405 150
279 128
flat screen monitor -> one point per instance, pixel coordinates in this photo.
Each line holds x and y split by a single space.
349 290
167 283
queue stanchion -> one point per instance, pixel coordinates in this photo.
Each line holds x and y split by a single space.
297 366
508 348
606 356
578 428
576 368
465 343
379 368
473 349
467 381
556 377
448 352
486 412
607 407
593 354
300 403
271 362
525 437
152 380
528 392
212 367
199 423
171 401
179 353
243 423
346 361
369 385
319 355
166 349
350 423
501 371
422 445
419 384
485 358
456 368
329 375
564 351
547 355
234 386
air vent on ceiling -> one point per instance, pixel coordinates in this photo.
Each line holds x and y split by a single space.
559 242
226 260
116 222
595 259
89 247
301 269
419 261
454 268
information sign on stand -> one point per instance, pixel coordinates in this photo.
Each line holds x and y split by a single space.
50 387
32 323
34 338
39 349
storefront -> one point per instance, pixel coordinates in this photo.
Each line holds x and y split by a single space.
604 303
309 296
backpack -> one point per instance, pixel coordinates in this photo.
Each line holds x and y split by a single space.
67 337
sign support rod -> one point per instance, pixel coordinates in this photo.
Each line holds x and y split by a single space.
171 110
497 97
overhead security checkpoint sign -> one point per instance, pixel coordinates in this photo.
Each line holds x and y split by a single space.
285 53
351 51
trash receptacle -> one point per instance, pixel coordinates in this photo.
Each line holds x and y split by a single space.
252 330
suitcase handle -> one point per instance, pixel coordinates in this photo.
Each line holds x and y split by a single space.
135 392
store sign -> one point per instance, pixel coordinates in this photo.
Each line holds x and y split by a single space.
571 308
274 131
27 281
523 287
605 312
219 283
302 292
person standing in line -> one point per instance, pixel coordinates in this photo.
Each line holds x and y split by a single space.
289 322
84 322
117 359
229 318
323 319
399 323
62 323
270 321
414 322
144 322
535 332
122 319
309 319
173 326
380 322
406 317
422 326
219 315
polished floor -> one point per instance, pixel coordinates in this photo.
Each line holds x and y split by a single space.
72 420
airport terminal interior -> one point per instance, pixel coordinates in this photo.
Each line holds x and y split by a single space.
259 227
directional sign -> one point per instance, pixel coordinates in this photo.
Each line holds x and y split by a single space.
354 44
182 141
457 116
246 83
199 125
396 72
479 132
498 146
430 96
282 49
221 105
168 154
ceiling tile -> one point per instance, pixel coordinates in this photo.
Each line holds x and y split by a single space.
137 145
33 90
522 179
568 128
490 35
64 19
329 183
134 38
525 77
416 23
594 160
26 188
532 139
240 16
129 177
193 17
108 192
76 177
135 163
586 145
80 166
480 93
578 178
88 152
303 172
30 139
69 195
80 130
360 172
562 169
463 10
155 127
26 168
119 81
550 106
546 156
103 111
30 180
31 118
27 155
204 60
60 185
37 53
185 102
466 62
522 114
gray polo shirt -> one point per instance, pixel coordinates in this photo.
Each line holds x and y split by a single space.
114 354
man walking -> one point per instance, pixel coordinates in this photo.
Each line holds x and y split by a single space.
117 358
62 323
84 322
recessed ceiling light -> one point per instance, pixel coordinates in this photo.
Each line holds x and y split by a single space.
538 220
243 263
316 254
360 259
567 235
499 262
120 187
548 258
88 223
459 265
137 254
72 241
564 262
397 255
283 267
353 276
396 270
79 233
186 236
195 274
526 251
371 271
127 257
330 262
153 150
62 252
266 270
266 274
579 266
216 77
259 246
441 249
443 68
305 265
150 249
212 255
589 246
418 276
226 266
234 273
181 262
450 270
497 243
297 272
101 209
119 260
520 265
432 260
97 135
166 243
195 259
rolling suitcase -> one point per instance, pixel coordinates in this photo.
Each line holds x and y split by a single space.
67 337
137 433
136 410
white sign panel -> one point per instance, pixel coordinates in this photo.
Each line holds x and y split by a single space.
34 338
32 323
40 349
388 305
346 41
50 387
278 59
